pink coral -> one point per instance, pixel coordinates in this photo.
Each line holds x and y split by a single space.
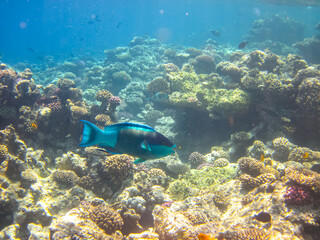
297 195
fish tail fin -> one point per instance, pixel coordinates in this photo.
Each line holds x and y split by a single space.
89 134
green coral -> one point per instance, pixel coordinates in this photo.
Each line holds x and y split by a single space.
229 102
195 180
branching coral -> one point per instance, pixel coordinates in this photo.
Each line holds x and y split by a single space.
297 195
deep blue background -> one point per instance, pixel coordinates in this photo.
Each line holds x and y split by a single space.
60 27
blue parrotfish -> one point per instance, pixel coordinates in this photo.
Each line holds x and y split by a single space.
134 139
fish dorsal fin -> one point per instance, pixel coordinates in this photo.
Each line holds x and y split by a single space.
128 125
145 145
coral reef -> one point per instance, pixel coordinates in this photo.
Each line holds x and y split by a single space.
257 109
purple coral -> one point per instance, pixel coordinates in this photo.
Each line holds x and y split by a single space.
114 101
297 195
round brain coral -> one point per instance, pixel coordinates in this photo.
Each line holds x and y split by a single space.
117 168
204 64
250 166
103 96
308 97
3 153
158 84
65 177
106 218
304 177
301 154
248 233
103 119
65 83
221 162
78 112
195 159
7 77
196 217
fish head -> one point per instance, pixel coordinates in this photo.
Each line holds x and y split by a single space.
162 150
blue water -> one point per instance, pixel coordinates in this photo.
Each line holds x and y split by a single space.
32 29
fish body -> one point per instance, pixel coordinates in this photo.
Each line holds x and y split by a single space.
262 217
216 33
242 44
160 97
128 138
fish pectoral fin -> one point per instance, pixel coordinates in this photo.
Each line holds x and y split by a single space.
107 149
139 160
145 145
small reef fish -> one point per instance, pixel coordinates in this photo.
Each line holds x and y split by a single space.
202 236
242 44
305 155
127 138
160 97
262 158
262 217
215 33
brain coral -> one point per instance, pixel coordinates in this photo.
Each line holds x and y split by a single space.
117 168
103 96
195 159
250 166
308 97
65 83
73 226
229 102
302 154
196 217
3 153
230 69
204 64
65 177
257 149
158 84
248 233
169 224
106 218
7 77
254 168
103 119
304 177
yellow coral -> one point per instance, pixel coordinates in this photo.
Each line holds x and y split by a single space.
304 177
3 153
103 119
